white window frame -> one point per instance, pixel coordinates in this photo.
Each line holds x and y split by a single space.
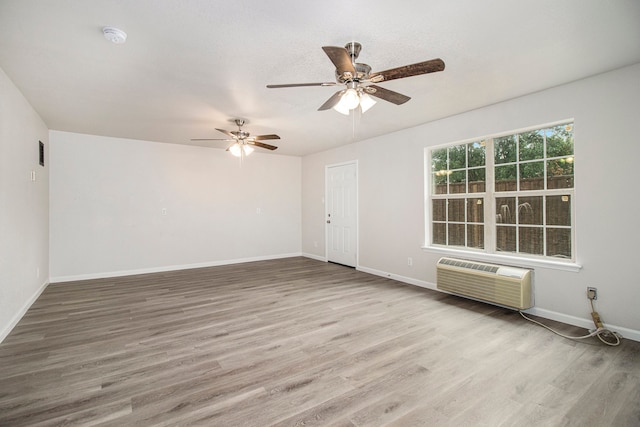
489 253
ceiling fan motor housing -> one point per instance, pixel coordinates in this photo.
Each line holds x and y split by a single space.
362 70
240 134
362 73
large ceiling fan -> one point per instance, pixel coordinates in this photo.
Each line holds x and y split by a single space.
360 82
242 143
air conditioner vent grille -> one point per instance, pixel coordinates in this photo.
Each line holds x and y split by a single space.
469 265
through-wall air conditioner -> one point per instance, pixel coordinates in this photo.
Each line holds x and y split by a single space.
497 284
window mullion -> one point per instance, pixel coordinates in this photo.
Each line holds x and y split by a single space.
489 199
544 220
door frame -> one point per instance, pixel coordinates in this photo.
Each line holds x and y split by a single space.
357 208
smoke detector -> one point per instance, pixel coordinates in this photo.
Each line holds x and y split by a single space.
114 35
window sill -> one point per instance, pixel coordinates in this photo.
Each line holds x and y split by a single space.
505 259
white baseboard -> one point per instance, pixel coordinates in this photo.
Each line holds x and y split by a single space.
316 257
409 280
547 314
121 273
16 318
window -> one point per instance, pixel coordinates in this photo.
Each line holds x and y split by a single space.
510 194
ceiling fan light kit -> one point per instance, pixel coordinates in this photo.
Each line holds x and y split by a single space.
361 82
237 149
352 99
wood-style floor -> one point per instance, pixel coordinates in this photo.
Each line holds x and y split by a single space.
295 342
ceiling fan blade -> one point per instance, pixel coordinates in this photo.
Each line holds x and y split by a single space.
262 145
340 58
226 132
425 67
264 137
386 94
301 85
331 102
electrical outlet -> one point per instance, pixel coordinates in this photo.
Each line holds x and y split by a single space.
592 293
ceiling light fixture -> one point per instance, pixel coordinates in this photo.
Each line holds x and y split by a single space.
114 35
236 150
247 149
366 102
351 99
239 149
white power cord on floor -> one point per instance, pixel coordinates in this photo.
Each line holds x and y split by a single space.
605 335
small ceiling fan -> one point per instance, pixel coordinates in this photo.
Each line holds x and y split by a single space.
242 143
360 82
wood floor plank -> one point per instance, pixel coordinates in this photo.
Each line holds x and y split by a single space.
299 342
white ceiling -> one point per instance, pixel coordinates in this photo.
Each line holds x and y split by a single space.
190 66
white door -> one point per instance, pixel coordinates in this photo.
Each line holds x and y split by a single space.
341 214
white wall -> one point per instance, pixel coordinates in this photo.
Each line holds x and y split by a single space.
24 206
606 109
108 196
